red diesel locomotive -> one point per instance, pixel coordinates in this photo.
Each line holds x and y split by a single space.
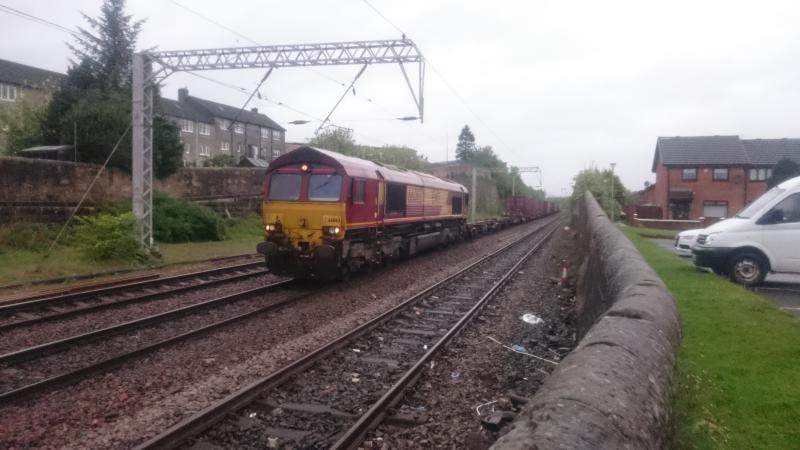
326 214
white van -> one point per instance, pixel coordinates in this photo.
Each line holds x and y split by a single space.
763 237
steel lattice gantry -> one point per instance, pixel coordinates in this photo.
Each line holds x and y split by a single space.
151 68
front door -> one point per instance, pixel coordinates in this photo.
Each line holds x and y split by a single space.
781 233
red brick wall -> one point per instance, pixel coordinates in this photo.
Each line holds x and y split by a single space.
706 189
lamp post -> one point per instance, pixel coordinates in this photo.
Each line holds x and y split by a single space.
612 191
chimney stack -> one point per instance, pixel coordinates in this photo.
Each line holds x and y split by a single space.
254 110
182 94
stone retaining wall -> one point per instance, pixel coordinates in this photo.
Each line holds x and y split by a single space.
47 191
614 390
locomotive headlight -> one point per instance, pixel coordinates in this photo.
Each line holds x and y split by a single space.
269 227
332 230
304 167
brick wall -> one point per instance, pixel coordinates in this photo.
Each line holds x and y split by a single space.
737 191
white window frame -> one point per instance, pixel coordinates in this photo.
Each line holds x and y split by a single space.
238 148
8 93
224 124
265 133
187 148
225 147
277 135
204 128
275 153
187 126
204 150
715 205
238 128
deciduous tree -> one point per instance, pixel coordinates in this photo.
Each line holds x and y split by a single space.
782 171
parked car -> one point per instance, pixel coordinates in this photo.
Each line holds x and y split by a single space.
763 237
685 240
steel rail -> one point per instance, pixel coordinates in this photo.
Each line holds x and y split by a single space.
79 295
139 298
353 436
49 347
204 419
110 363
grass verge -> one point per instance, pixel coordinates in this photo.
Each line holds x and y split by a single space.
653 232
20 265
738 385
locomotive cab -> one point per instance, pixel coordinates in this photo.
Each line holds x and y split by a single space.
303 214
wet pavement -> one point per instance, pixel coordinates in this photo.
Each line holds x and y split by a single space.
783 290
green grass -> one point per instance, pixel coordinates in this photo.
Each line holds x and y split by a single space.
738 383
654 232
23 265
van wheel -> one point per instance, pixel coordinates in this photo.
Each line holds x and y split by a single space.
748 269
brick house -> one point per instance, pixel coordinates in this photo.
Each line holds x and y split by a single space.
713 176
210 129
18 82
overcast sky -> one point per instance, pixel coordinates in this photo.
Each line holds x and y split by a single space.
556 84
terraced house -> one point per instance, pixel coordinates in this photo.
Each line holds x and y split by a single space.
713 176
19 83
210 129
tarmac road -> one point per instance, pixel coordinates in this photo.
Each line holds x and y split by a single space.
782 290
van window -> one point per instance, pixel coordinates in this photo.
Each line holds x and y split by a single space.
760 202
284 186
325 188
788 209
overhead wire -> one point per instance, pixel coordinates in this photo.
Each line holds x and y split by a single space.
281 104
446 82
255 42
23 15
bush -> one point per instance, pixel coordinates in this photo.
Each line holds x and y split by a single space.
34 237
183 221
108 237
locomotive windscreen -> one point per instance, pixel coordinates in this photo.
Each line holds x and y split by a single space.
284 186
324 188
395 198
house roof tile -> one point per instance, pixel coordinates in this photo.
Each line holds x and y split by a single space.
28 76
202 110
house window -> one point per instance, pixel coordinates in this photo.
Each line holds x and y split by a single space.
238 148
276 153
358 192
715 209
277 136
8 93
223 124
720 174
204 150
760 174
265 133
187 148
238 128
187 126
689 174
204 128
225 147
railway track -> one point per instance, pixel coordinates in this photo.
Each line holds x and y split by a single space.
334 395
68 360
68 304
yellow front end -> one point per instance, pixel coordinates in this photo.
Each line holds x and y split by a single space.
303 239
305 222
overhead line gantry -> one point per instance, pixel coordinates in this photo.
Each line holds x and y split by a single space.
151 68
